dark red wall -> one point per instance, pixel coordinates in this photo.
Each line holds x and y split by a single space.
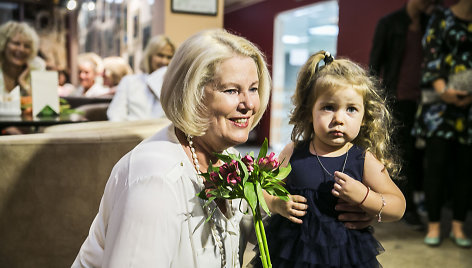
357 20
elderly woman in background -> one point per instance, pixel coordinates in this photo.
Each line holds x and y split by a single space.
114 69
214 93
18 50
90 71
137 96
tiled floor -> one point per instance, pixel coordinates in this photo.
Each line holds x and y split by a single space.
404 247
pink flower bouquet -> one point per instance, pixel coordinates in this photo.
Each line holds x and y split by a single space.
245 178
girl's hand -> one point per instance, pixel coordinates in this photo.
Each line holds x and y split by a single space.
293 209
348 189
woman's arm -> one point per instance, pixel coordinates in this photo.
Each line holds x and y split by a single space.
353 216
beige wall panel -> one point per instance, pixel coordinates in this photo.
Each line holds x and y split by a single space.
179 26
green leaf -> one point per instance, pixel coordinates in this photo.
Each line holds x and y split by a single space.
243 167
210 200
260 196
210 215
202 195
250 194
226 158
284 171
263 151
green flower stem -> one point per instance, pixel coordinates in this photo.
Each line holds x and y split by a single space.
264 239
261 239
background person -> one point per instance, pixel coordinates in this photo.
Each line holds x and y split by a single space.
90 70
114 69
18 56
396 57
447 122
138 96
65 88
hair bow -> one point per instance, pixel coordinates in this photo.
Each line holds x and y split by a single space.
328 58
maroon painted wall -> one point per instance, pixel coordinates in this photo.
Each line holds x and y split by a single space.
357 20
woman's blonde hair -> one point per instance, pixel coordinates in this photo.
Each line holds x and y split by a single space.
155 44
116 68
377 124
194 66
92 58
10 29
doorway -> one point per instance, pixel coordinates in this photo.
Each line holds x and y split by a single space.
298 33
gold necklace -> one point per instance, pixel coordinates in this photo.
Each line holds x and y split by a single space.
321 164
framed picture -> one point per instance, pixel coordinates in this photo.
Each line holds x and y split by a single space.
200 7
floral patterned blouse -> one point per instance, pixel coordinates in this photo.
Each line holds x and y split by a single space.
447 49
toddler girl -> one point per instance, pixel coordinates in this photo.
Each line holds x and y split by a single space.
341 149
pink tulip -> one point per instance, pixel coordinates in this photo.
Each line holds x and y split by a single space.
231 172
269 162
249 162
214 177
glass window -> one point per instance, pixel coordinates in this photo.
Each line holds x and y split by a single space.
298 34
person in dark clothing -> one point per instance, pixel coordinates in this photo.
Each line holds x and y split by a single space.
396 57
445 122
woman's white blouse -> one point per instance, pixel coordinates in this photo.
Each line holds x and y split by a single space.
150 216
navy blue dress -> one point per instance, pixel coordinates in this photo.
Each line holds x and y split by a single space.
322 240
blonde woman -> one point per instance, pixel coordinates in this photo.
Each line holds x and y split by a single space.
18 50
18 57
114 69
215 91
137 96
90 70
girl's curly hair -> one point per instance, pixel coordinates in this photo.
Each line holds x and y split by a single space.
378 122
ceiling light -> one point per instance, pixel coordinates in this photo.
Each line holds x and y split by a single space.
330 30
71 4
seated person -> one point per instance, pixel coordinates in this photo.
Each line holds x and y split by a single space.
65 87
18 50
114 69
138 96
90 69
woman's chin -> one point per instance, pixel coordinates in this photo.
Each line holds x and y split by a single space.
239 140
